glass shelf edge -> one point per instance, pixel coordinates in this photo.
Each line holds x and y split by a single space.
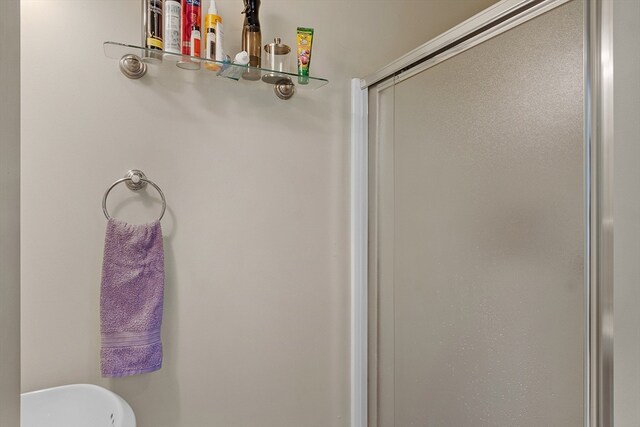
116 50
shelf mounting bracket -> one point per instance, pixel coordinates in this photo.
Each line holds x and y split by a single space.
132 66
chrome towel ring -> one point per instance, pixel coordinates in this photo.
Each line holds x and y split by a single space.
135 180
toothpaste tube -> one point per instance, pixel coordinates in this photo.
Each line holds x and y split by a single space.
304 39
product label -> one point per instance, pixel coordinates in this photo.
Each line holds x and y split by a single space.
195 44
151 42
154 24
172 26
211 45
155 7
304 51
190 19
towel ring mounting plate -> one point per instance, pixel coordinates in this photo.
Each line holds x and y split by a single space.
135 180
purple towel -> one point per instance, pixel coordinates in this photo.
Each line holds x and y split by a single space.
131 299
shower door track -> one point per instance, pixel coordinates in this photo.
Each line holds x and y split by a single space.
598 175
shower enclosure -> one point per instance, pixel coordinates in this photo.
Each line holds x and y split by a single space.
481 228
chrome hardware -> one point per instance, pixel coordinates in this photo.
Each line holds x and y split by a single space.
135 180
284 88
132 66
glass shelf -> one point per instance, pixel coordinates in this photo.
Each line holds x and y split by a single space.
221 69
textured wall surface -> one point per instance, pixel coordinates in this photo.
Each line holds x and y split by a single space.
9 212
480 271
256 327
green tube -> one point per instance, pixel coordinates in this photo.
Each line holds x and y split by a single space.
304 42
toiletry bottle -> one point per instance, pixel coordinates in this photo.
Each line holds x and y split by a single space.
251 37
211 20
190 20
305 43
172 18
152 29
195 41
220 55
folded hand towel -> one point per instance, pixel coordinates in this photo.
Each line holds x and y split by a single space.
131 299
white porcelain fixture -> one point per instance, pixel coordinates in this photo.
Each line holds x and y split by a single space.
75 405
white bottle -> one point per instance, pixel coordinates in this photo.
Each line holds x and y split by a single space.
195 42
212 38
220 36
171 32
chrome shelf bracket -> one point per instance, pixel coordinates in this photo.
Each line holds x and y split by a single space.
132 66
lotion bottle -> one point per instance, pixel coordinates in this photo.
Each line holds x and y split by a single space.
195 41
172 18
213 36
190 20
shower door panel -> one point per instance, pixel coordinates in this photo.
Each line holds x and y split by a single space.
479 207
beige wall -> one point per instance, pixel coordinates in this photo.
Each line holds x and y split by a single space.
626 66
9 212
256 327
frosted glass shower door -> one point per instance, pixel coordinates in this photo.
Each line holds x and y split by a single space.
477 310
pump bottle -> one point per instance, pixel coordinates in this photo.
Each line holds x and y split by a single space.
252 38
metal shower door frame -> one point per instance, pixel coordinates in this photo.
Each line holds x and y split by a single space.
598 175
